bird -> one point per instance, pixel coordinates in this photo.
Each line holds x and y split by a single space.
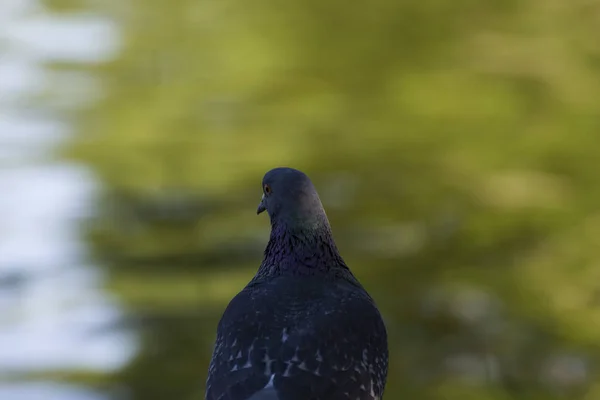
303 328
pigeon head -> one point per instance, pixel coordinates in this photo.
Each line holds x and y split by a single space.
301 241
290 199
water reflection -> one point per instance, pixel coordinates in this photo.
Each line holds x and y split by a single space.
53 310
46 391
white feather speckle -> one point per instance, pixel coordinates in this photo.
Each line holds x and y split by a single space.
284 335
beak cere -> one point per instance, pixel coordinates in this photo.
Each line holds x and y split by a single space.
261 205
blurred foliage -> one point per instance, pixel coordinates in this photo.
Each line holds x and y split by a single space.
455 146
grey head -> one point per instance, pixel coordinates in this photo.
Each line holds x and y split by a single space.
301 242
290 199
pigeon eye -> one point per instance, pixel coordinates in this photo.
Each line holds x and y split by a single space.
267 189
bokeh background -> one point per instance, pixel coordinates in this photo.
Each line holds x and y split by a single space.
455 145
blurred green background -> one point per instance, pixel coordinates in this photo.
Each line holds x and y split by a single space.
455 146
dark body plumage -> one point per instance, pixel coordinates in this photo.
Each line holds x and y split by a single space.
303 328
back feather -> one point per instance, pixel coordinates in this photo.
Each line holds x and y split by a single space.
265 394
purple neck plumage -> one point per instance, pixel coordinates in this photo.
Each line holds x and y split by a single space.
305 249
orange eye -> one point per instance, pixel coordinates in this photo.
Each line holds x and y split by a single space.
267 189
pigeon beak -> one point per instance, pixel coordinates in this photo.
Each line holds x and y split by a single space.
261 205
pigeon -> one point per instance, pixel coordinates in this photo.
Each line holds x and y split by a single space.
303 328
